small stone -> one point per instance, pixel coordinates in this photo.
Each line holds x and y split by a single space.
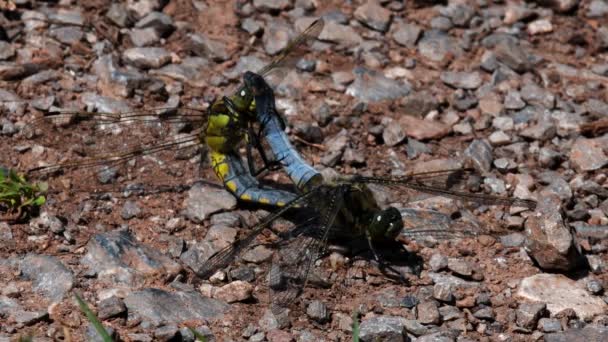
485 313
420 129
130 210
407 34
382 328
160 22
49 276
428 313
529 314
393 135
549 325
512 55
443 293
317 311
272 5
499 138
460 13
252 26
374 16
7 51
372 86
144 37
236 291
480 153
147 57
203 201
463 80
588 154
441 23
93 335
409 301
559 293
597 8
203 46
594 286
165 333
549 242
437 46
117 13
513 100
460 267
438 262
258 254
110 307
540 26
489 62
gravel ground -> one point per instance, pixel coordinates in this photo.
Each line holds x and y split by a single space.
517 89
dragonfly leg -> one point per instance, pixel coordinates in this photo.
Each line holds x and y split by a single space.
382 265
269 165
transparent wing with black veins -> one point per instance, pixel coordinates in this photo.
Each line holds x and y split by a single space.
132 143
225 256
446 183
293 262
285 60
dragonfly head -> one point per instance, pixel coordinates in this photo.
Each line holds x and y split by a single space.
386 224
243 98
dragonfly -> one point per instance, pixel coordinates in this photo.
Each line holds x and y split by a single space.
109 144
342 210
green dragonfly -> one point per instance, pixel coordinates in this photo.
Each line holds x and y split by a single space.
343 210
107 144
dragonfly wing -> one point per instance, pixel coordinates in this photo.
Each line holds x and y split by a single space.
446 183
293 262
277 69
83 144
225 256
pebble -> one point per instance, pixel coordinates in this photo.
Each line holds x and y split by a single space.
427 312
93 336
203 46
420 129
385 328
499 138
590 332
144 37
549 325
372 86
560 293
339 34
528 314
393 135
588 154
151 304
512 55
158 21
49 276
374 16
317 311
540 26
597 8
436 46
118 15
549 242
203 201
236 291
272 5
147 57
407 34
258 254
479 152
460 267
443 293
463 80
130 210
110 307
119 258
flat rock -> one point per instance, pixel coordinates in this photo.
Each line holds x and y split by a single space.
236 291
407 34
437 46
340 34
374 16
272 5
162 307
512 55
588 154
147 57
118 257
203 201
589 333
48 275
372 86
463 80
383 328
204 46
560 293
548 240
420 129
105 104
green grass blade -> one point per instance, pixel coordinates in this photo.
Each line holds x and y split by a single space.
355 326
93 319
198 336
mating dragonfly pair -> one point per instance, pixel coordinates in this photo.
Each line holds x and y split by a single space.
344 207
